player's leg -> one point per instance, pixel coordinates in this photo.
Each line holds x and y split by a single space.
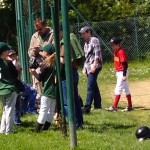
50 114
42 113
118 91
10 111
128 95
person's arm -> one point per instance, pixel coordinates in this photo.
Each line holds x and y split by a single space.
13 70
98 57
51 37
125 66
31 48
38 73
62 55
97 50
34 46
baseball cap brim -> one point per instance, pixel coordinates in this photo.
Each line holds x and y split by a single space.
41 48
84 29
11 52
48 48
115 40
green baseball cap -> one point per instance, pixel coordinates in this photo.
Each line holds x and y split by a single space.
48 48
4 47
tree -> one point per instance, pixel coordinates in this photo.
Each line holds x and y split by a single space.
102 10
8 23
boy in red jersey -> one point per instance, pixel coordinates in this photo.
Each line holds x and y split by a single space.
121 65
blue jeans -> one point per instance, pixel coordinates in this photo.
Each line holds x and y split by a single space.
28 104
93 90
18 110
78 112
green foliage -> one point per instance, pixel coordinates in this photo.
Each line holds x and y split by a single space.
101 10
8 23
143 7
92 10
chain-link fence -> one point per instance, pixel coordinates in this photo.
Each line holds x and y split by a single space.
36 12
135 33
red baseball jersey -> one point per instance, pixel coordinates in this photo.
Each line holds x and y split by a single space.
120 56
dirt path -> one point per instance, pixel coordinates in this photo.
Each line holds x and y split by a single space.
140 91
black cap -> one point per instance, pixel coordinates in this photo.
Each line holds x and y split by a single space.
115 40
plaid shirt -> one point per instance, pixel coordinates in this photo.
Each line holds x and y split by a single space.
92 52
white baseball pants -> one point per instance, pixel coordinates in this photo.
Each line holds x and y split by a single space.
47 110
9 102
121 85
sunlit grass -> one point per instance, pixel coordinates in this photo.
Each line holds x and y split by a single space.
102 130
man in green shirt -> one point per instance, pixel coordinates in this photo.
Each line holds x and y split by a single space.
76 55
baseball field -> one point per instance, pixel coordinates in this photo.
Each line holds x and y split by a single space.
102 130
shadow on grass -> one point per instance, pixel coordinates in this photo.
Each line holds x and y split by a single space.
141 108
27 123
105 127
25 126
136 108
29 126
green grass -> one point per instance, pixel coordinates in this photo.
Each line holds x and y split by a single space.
102 130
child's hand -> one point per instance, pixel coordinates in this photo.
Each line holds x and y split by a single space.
124 78
93 67
37 49
55 79
84 72
31 70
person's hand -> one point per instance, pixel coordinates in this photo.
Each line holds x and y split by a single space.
55 79
31 70
62 60
19 69
93 67
37 49
124 78
84 72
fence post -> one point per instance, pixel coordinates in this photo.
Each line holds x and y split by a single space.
43 10
136 36
30 20
55 20
68 70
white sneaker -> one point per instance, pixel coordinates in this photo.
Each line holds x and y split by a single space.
127 109
2 132
111 108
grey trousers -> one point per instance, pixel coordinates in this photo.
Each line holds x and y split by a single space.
8 102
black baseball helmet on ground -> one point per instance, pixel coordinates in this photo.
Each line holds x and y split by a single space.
142 133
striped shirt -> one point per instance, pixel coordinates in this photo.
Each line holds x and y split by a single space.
92 51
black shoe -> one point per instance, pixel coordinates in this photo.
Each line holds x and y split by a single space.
86 110
46 126
38 127
98 107
17 123
79 127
